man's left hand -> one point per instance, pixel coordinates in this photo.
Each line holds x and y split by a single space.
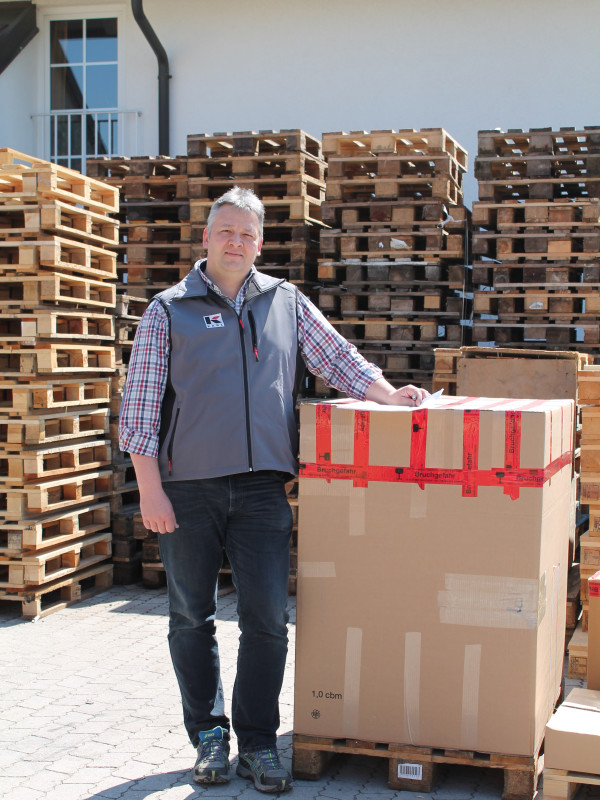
383 392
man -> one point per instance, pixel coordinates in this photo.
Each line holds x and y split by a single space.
208 417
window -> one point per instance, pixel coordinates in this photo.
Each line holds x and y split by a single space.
83 90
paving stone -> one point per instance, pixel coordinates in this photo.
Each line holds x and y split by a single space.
69 792
24 793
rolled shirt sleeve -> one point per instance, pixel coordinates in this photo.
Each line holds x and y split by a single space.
331 357
139 421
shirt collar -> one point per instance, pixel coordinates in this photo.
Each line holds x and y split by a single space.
241 294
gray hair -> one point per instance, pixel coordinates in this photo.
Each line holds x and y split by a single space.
244 199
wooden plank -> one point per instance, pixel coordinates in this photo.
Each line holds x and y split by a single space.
414 768
57 358
17 433
563 784
54 495
59 253
253 143
53 462
25 291
52 563
53 529
406 141
62 592
29 327
23 217
58 393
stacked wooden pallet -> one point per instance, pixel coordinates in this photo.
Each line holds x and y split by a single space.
154 254
536 240
392 266
155 250
155 227
57 300
589 382
286 170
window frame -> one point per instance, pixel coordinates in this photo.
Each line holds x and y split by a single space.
65 14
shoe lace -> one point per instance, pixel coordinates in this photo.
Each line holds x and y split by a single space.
213 750
268 758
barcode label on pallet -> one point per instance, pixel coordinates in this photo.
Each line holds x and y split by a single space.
411 771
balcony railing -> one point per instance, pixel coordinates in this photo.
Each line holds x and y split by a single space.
70 137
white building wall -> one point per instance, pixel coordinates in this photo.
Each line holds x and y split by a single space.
328 65
19 99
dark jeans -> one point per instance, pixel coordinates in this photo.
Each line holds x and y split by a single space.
248 516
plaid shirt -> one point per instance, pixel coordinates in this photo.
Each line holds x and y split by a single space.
326 354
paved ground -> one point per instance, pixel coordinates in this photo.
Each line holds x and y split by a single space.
89 710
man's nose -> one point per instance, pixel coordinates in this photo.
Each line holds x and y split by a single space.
236 239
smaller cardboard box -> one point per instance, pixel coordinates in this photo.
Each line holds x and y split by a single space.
573 734
593 662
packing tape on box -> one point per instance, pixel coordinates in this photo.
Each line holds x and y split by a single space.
352 680
470 696
316 569
510 476
491 601
412 684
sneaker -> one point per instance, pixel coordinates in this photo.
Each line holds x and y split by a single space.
212 764
264 768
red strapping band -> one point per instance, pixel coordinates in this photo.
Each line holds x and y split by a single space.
323 434
470 451
511 476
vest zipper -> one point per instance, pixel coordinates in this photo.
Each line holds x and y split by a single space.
246 395
170 447
253 331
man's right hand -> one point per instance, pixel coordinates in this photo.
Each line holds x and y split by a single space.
157 512
156 508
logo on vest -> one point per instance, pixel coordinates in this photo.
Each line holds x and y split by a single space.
214 321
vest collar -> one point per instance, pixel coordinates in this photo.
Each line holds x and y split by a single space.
193 285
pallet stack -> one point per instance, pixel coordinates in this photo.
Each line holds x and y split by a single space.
154 254
154 215
57 303
589 557
536 240
392 266
286 170
159 243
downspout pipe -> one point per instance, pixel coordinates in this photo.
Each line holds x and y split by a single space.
163 75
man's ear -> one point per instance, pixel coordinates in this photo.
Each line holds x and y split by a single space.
205 237
260 244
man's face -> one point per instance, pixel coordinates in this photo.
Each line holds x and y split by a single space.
233 242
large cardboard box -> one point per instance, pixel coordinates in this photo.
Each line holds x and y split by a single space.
573 734
432 571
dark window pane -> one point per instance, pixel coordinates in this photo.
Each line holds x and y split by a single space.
62 136
90 134
76 164
114 136
64 162
101 86
101 40
66 89
76 135
103 143
66 41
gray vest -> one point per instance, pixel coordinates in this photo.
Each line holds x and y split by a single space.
230 397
